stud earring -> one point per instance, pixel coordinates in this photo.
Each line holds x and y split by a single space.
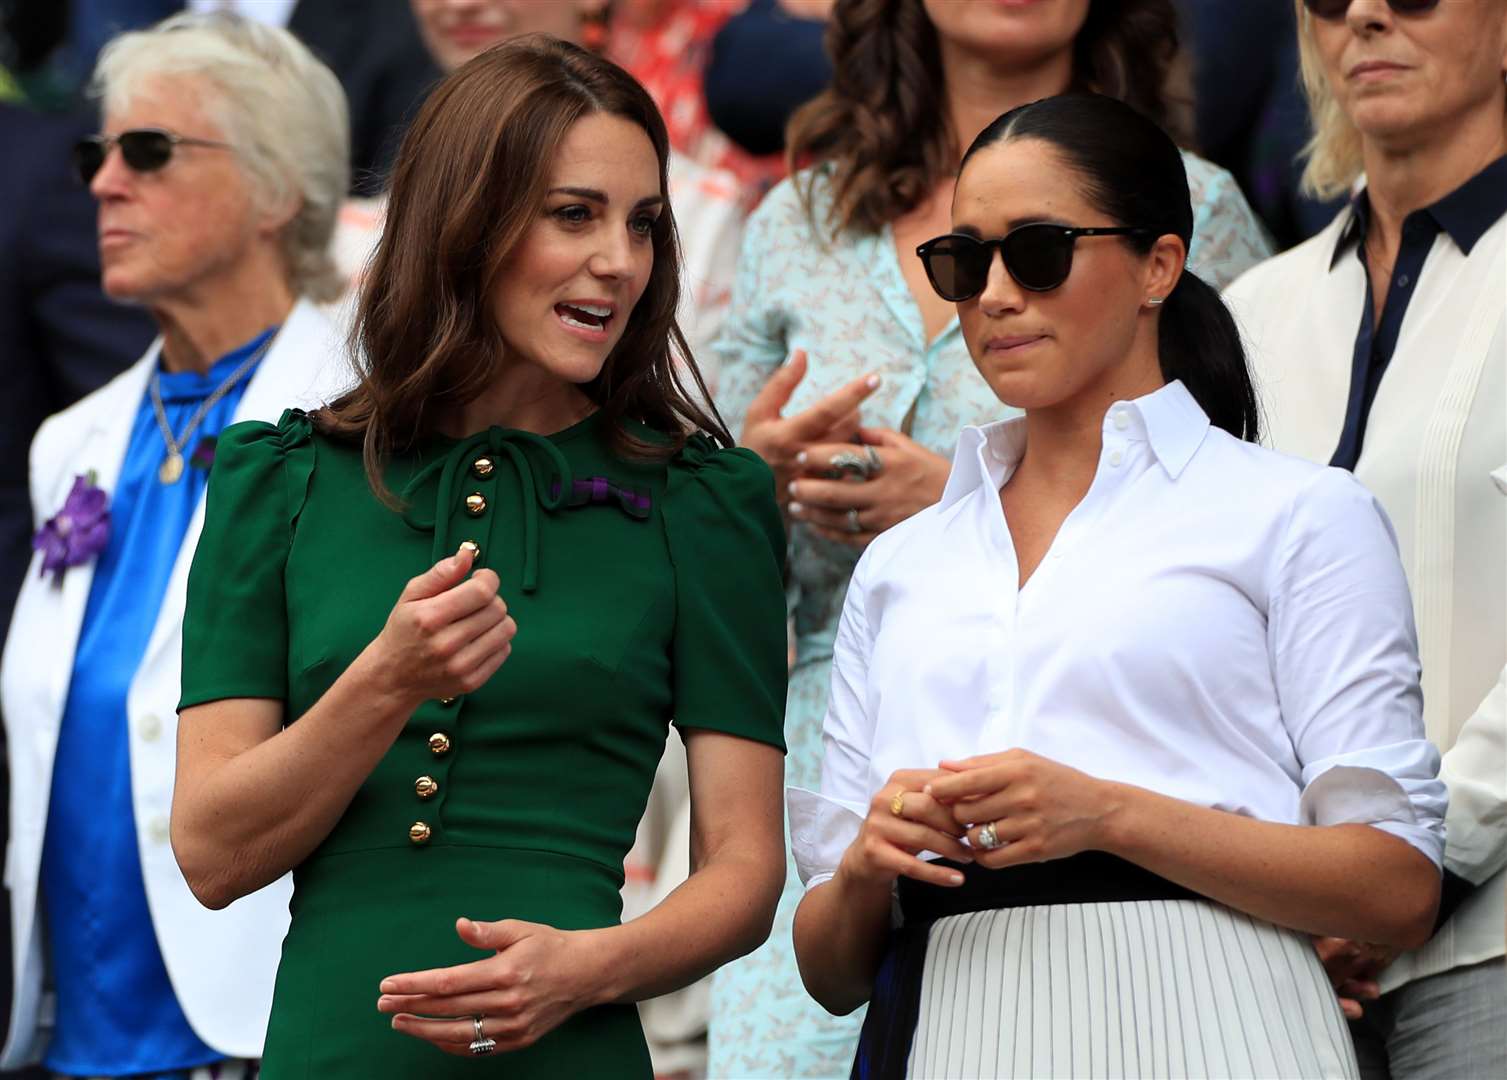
1154 301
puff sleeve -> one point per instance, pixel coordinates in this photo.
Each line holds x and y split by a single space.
727 548
235 625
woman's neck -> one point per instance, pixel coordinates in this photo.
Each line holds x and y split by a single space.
978 89
1406 175
202 323
523 397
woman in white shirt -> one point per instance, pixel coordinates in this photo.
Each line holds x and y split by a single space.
1149 690
1380 346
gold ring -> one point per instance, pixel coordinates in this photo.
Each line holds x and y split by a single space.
897 804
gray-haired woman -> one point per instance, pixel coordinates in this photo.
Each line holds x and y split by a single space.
219 171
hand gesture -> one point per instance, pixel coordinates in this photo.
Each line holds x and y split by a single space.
779 440
446 635
908 478
903 821
1036 808
1353 968
533 980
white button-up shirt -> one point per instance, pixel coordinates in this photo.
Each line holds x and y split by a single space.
1214 621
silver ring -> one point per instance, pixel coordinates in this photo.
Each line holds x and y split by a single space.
876 466
853 523
481 1044
988 838
849 463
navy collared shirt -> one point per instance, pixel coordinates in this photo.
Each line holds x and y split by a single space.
1463 215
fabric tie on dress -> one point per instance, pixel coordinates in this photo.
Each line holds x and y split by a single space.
505 443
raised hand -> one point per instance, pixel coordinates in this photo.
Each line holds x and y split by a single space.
447 634
779 439
908 478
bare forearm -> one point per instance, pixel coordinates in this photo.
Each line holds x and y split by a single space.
246 821
719 913
840 930
1348 881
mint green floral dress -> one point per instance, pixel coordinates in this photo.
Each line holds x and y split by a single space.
845 301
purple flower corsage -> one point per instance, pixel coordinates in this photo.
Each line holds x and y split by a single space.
76 533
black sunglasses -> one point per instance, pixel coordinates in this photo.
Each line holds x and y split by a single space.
144 150
1335 9
1038 256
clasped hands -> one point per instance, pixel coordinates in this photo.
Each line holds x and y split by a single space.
1040 810
905 477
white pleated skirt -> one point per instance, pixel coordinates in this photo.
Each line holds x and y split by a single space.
1156 988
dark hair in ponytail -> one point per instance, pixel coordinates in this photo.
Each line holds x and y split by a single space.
1132 171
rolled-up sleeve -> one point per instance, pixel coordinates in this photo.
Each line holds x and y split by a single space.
1344 651
823 824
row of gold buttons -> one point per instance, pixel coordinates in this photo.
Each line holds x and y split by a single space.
426 787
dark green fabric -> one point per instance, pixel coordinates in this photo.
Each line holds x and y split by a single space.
625 624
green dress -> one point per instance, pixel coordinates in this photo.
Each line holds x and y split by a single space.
645 593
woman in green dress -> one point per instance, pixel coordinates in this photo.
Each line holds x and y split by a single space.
437 630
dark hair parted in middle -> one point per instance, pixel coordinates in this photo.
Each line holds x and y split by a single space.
882 123
469 182
1132 171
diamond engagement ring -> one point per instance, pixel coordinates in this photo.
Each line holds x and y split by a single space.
988 838
481 1044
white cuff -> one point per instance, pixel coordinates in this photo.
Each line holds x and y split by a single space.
821 828
1395 788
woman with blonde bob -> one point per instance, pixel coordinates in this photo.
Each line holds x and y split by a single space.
219 168
438 630
1380 346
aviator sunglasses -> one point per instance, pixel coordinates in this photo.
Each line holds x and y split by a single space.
1038 256
144 150
1335 9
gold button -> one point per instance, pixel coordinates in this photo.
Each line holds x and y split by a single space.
439 743
447 701
419 833
482 467
476 504
426 787
474 548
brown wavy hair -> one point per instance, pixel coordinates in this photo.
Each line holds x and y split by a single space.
881 125
468 183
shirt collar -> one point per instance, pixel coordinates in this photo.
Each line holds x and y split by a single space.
1169 419
1465 213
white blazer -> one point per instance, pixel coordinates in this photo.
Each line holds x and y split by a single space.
221 963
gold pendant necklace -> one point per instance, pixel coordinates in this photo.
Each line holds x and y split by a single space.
171 469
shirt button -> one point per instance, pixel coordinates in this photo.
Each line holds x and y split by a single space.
439 743
158 831
426 787
474 548
1404 281
1122 420
1115 457
419 833
149 728
482 467
476 504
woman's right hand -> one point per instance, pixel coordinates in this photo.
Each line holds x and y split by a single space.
779 440
888 843
446 635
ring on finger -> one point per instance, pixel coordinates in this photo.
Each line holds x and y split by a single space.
854 525
876 466
897 804
849 463
481 1044
988 838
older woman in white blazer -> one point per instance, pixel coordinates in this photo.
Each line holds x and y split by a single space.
1378 346
219 170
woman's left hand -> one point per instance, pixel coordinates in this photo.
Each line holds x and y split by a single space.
536 979
1040 809
909 479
